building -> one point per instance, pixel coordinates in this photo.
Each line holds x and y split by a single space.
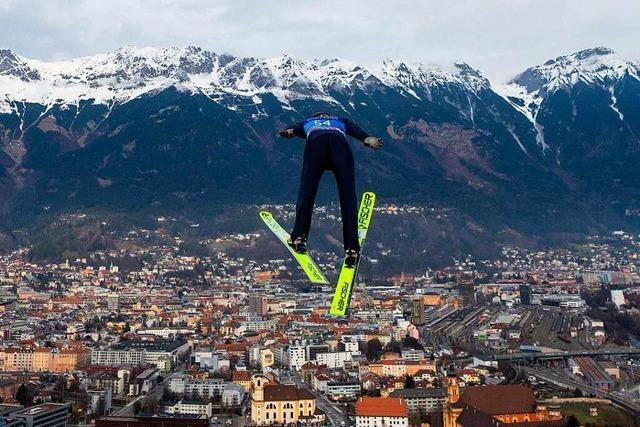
139 353
296 356
242 378
334 360
187 407
397 368
99 402
343 390
210 359
183 385
8 390
525 294
421 401
495 405
44 415
258 304
412 354
282 404
165 332
314 349
232 395
617 297
381 412
418 311
43 359
146 381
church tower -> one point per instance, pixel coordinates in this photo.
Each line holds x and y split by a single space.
257 399
451 411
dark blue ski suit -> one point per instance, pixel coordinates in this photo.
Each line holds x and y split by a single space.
327 149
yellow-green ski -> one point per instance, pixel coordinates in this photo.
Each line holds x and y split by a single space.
306 262
347 277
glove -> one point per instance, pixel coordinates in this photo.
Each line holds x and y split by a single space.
373 142
287 133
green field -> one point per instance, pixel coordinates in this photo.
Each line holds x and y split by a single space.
608 415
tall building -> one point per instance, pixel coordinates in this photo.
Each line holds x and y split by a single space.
617 297
280 404
467 291
296 356
381 412
525 294
258 304
417 311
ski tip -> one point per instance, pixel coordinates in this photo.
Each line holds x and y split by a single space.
265 214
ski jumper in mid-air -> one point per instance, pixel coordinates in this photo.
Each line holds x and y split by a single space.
327 149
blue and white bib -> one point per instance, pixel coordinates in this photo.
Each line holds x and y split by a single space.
324 123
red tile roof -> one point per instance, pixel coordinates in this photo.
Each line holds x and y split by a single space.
381 407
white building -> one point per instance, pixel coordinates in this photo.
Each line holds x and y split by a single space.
296 356
165 332
186 407
343 390
381 412
617 297
232 395
334 360
210 359
183 385
413 355
138 353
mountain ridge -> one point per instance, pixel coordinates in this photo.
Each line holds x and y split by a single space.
552 150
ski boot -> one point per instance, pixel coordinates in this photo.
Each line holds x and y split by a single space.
299 244
351 258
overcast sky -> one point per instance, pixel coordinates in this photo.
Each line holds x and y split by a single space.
500 37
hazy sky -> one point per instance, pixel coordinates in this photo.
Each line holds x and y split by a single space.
500 37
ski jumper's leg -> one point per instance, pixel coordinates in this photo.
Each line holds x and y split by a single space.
343 169
312 169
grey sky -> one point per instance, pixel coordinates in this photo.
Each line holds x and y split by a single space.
500 37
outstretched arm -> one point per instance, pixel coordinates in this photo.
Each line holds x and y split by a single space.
294 130
356 132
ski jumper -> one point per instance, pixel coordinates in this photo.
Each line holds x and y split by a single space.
327 149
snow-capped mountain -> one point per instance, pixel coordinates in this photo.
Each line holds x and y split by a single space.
598 67
129 72
555 148
601 66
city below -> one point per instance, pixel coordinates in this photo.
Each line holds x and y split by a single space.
149 334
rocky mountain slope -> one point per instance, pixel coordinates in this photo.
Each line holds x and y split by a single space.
555 149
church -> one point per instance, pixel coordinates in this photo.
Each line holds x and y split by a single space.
496 406
281 404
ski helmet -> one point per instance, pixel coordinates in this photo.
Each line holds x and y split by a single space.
320 113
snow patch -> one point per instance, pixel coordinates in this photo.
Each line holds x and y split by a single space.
614 104
530 107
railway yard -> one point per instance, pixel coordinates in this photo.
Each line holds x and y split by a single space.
502 330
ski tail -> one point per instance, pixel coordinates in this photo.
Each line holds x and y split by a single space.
307 263
346 279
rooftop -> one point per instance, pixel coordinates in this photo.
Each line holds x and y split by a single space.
381 407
